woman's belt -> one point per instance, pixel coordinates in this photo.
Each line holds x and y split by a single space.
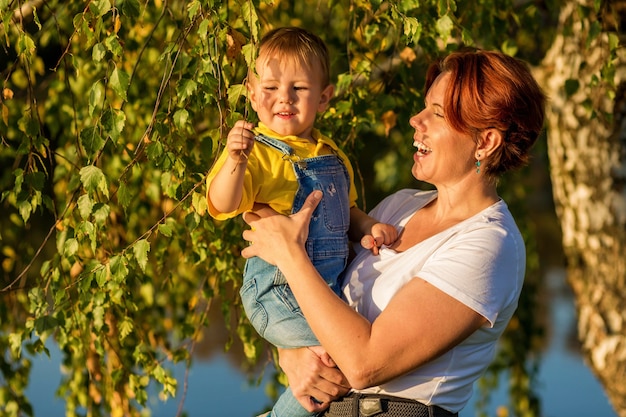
358 404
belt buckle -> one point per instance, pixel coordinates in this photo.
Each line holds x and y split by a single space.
369 407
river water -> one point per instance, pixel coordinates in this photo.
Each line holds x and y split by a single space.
217 387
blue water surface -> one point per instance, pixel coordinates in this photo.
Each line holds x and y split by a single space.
217 388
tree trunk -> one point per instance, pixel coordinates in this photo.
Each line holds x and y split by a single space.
587 152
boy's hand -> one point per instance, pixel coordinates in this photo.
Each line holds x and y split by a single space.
381 234
240 141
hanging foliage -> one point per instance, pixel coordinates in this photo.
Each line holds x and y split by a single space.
112 113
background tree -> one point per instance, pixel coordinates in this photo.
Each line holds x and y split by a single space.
585 77
112 113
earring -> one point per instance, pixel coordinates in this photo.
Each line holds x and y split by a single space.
477 164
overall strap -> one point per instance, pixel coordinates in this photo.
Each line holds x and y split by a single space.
279 145
282 147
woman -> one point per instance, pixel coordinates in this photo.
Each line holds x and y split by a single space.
423 316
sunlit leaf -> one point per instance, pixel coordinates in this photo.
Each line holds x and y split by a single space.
444 27
181 117
85 206
236 93
93 179
125 327
140 250
119 83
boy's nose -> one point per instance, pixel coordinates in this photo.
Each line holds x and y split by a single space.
286 97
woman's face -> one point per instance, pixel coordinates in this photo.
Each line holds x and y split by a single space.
444 156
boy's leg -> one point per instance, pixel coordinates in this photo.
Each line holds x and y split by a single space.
288 406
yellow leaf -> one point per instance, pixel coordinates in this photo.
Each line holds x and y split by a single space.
389 119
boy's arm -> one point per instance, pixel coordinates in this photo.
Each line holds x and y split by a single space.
226 188
370 232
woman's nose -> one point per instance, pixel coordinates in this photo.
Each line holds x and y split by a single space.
416 122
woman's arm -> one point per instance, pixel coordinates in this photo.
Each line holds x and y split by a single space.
367 353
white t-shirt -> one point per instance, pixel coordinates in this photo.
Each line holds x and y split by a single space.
480 262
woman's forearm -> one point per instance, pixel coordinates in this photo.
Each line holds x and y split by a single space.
342 331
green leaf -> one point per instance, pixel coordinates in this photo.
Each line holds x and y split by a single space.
140 250
193 8
185 89
118 268
123 195
113 44
101 276
26 46
131 8
125 327
444 28
166 229
98 317
181 117
235 93
91 140
88 230
155 151
70 248
94 180
95 97
85 206
251 18
199 203
412 29
45 324
15 344
119 83
101 213
99 7
113 122
98 52
25 209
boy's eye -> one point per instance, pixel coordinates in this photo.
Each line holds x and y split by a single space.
300 87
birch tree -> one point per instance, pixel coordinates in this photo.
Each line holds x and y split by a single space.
584 76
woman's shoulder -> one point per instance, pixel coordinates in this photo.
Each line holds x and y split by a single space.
401 204
409 196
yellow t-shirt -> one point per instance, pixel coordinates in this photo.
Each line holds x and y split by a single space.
270 179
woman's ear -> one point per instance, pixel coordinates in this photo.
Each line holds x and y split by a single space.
325 97
490 140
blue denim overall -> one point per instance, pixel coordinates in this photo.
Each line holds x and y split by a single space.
267 299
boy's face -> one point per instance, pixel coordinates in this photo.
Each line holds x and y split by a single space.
287 95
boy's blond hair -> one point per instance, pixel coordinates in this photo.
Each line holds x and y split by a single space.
300 45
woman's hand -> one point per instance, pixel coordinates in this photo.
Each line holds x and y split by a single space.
272 237
313 378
